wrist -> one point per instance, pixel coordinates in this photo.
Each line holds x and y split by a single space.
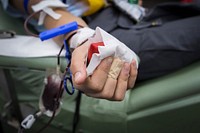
80 36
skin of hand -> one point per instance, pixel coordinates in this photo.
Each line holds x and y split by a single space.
140 2
100 84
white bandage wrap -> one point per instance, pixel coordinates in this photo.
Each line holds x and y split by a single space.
46 7
112 47
82 35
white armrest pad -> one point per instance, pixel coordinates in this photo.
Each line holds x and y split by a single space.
28 46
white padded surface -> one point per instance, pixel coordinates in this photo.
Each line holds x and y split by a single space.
28 46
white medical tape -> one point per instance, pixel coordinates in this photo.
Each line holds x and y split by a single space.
41 18
48 3
82 35
46 7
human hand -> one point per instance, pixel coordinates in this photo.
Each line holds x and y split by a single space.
140 2
102 84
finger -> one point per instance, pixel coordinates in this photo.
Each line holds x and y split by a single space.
133 75
115 68
78 66
108 90
99 76
111 82
122 83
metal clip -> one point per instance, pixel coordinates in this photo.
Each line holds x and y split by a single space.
7 34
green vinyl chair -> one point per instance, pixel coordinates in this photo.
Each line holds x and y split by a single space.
169 104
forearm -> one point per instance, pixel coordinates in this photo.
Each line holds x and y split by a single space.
66 18
49 22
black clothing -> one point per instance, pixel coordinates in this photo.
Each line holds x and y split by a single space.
167 39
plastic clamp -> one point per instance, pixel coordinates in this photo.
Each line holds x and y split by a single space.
64 29
28 122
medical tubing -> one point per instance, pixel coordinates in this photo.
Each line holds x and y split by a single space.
58 63
70 80
69 37
77 112
68 53
57 97
58 56
68 57
26 24
25 4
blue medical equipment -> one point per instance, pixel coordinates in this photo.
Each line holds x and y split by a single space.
68 79
64 29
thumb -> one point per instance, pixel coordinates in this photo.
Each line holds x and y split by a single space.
78 64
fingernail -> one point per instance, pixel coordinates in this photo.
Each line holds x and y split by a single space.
109 60
133 63
77 76
126 68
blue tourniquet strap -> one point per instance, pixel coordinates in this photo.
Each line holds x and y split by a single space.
26 6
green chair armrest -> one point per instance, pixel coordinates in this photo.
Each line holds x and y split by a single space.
166 104
182 83
39 63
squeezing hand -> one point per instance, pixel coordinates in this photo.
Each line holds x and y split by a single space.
103 83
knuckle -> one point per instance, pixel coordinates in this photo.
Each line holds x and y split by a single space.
123 78
134 72
73 66
131 85
76 85
107 95
105 64
89 95
119 97
97 87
